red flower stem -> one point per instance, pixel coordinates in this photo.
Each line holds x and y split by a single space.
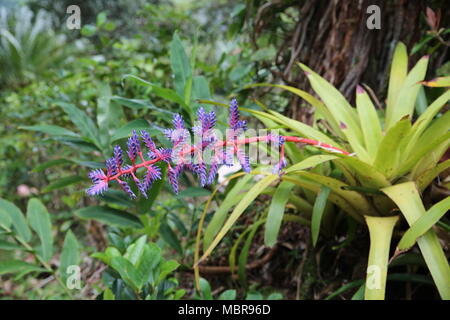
146 163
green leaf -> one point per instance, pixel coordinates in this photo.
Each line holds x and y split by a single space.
193 192
51 130
148 262
239 209
139 104
341 110
234 196
39 220
170 237
63 182
318 210
276 211
5 220
70 254
17 219
310 162
110 216
407 198
167 267
180 64
81 120
50 164
145 205
404 104
127 272
205 289
390 152
15 266
370 123
163 93
424 223
138 125
228 295
135 251
108 295
5 245
399 71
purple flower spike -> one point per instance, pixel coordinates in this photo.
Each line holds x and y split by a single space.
148 141
127 189
118 157
98 178
172 174
234 114
243 160
134 146
212 172
111 167
178 122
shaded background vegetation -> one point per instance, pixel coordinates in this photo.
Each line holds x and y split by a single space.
235 43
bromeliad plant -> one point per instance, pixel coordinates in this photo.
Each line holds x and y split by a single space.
375 152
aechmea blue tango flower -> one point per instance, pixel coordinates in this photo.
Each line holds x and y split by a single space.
181 156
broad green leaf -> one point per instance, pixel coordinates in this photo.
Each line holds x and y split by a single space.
51 163
107 114
6 245
138 125
341 110
233 197
407 198
366 174
205 289
390 153
310 162
39 220
108 295
356 200
424 223
239 209
170 237
333 197
404 104
429 175
438 82
51 130
180 64
81 120
228 295
422 123
139 104
276 211
127 272
193 192
424 149
316 103
17 219
399 71
145 205
200 88
167 267
70 255
135 251
370 124
148 262
63 182
110 216
318 210
5 220
303 129
164 93
15 266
